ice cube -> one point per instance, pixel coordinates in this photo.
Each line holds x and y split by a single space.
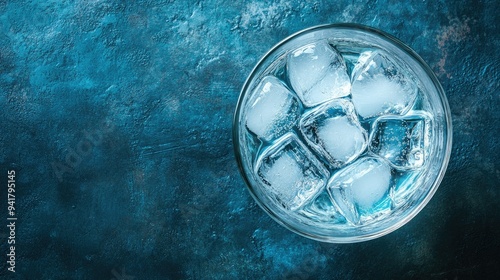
405 184
353 56
381 86
359 187
273 109
333 130
318 73
321 209
402 140
290 173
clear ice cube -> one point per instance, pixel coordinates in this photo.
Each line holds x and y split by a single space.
381 86
290 173
273 109
318 73
351 54
401 140
360 187
334 131
321 209
405 184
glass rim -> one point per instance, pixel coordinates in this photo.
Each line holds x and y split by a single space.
447 126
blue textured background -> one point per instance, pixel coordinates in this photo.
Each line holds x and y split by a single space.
157 194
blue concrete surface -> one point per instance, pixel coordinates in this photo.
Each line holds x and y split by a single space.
117 115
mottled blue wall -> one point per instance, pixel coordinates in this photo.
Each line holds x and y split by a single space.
117 115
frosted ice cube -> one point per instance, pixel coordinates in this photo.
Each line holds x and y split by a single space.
381 86
402 140
333 130
318 73
290 173
273 109
359 187
321 209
